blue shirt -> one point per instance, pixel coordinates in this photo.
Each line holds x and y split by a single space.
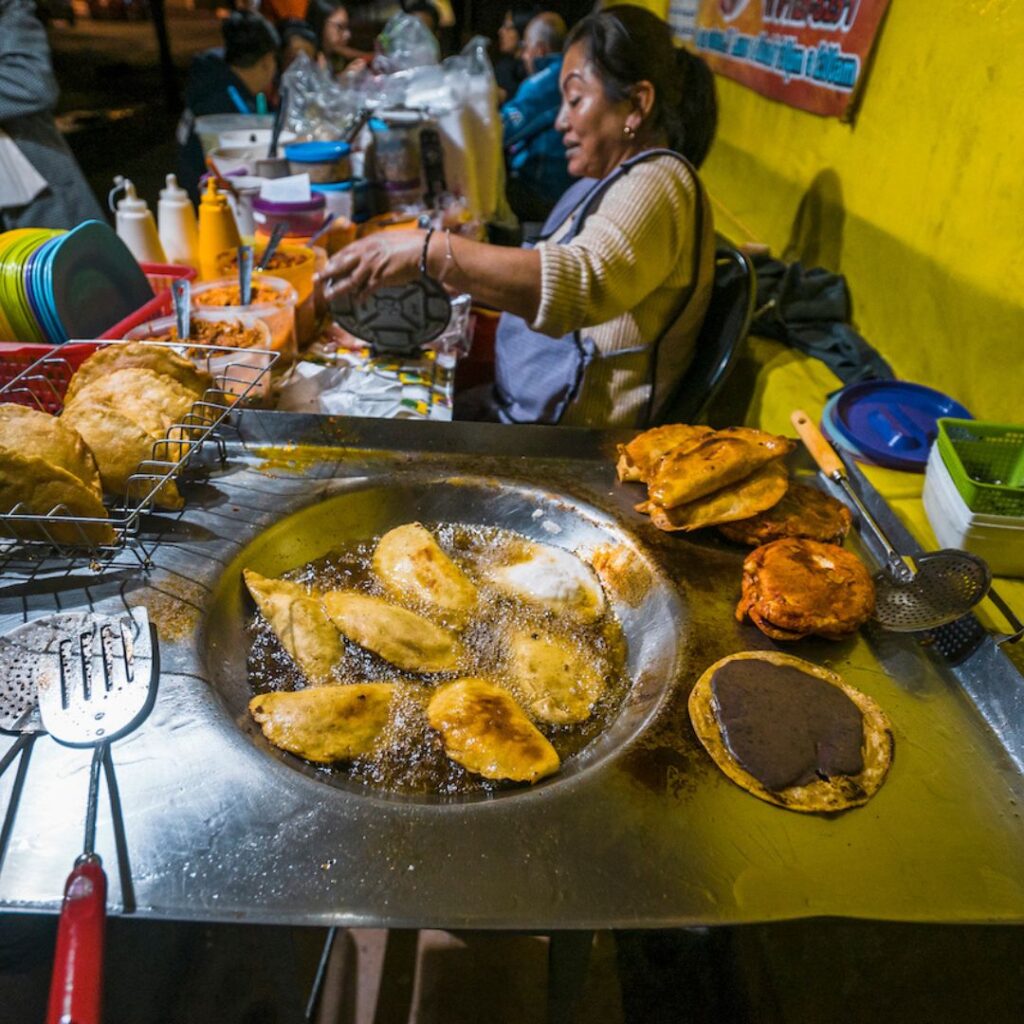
533 146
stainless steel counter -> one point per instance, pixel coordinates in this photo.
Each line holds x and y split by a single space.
643 832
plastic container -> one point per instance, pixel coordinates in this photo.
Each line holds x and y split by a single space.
324 162
997 539
396 146
304 219
176 224
352 199
137 228
235 370
217 230
274 303
986 464
234 130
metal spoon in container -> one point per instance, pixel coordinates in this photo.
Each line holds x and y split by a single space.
276 235
181 291
940 586
245 275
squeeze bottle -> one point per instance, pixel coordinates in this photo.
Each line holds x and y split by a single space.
176 217
217 230
136 227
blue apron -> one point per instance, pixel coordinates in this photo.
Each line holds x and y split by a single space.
537 377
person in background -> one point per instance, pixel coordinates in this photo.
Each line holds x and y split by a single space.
427 13
297 36
337 51
41 184
534 154
601 315
226 82
509 69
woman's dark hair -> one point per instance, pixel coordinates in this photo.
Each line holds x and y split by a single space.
248 38
423 7
628 44
522 15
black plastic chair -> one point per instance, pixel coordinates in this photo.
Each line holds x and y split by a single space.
720 340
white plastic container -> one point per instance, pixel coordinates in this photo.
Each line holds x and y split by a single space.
277 313
136 227
232 371
997 539
176 224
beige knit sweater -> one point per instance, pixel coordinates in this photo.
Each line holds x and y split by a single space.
620 280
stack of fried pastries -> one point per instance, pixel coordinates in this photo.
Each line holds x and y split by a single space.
122 401
699 477
46 469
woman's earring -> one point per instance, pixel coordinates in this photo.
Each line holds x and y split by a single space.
628 130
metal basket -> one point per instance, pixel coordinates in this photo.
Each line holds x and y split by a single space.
31 542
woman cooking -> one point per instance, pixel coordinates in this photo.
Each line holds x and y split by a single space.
600 316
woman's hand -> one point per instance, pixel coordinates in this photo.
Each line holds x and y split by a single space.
380 260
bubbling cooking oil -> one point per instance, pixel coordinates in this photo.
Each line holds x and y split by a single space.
409 757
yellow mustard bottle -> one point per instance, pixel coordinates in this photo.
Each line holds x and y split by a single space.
218 231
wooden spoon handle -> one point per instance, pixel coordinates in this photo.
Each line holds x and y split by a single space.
821 451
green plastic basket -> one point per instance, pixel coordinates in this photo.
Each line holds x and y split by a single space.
986 462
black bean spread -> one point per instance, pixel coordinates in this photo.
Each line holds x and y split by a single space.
784 727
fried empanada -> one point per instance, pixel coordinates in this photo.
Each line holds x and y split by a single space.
325 723
119 444
723 458
415 570
638 458
155 402
300 622
400 636
557 682
553 578
803 512
33 432
136 354
761 490
30 485
485 731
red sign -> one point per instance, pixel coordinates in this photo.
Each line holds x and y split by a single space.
811 54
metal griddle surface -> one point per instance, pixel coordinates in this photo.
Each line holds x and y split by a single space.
648 834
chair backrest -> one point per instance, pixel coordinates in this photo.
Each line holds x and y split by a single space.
719 342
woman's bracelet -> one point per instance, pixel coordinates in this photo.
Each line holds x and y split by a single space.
423 255
449 256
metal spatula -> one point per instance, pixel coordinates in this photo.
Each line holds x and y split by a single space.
103 686
942 586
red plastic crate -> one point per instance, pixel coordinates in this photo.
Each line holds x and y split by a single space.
45 389
161 277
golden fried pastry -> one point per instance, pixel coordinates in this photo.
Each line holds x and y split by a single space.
402 637
553 578
33 432
485 731
325 723
30 485
119 444
761 490
300 622
720 459
412 566
638 458
136 354
557 682
803 512
795 587
152 400
791 733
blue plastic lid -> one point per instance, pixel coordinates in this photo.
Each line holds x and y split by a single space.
889 423
334 186
316 152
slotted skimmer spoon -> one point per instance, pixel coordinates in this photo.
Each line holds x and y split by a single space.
100 686
941 587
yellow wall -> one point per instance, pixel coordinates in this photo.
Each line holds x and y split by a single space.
920 202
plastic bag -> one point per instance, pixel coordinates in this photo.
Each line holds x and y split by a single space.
405 43
319 107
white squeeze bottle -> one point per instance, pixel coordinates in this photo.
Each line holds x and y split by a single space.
136 227
176 217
